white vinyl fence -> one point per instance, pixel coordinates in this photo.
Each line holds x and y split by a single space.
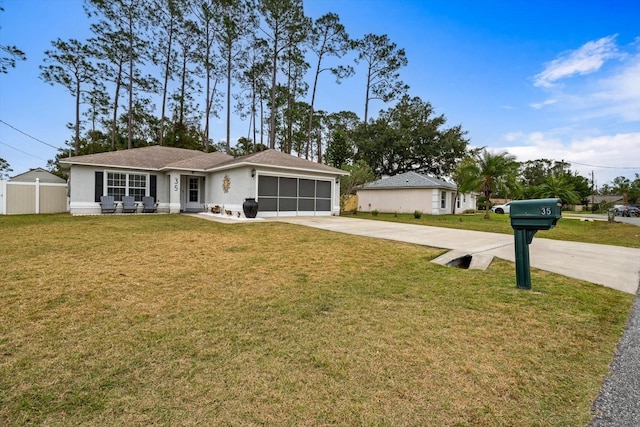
32 197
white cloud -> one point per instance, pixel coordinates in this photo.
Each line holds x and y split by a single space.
607 155
539 105
584 60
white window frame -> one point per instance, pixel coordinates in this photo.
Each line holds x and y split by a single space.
127 187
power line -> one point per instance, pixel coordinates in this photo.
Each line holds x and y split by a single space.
26 134
603 167
23 152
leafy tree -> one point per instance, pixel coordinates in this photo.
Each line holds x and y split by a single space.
408 137
4 169
340 145
167 16
125 21
359 173
70 65
235 22
285 26
491 170
205 12
328 38
622 187
9 55
634 194
382 59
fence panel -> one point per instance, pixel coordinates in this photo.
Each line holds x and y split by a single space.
32 197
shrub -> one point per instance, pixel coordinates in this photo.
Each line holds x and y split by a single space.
469 211
417 214
375 212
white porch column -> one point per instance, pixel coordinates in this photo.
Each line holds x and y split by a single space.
174 192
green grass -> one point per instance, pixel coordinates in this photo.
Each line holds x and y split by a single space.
174 320
601 232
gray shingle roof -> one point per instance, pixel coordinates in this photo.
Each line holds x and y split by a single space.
202 162
158 157
152 157
408 180
279 159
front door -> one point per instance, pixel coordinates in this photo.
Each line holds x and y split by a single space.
191 197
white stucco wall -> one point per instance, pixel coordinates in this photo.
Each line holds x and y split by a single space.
425 200
241 186
82 189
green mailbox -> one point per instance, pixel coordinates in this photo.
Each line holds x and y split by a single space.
527 217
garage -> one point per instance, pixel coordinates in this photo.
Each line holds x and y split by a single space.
294 196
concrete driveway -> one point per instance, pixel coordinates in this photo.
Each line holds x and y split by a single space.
612 266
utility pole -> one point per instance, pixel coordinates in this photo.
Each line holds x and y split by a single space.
593 193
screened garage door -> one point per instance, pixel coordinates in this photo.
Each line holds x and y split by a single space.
294 195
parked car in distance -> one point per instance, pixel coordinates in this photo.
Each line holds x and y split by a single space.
629 211
502 209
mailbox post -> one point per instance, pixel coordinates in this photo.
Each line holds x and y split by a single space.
527 217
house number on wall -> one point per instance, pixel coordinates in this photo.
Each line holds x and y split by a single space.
175 184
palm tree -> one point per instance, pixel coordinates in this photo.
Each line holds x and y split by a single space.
622 187
560 187
492 171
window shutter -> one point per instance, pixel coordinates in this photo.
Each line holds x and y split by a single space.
152 186
99 185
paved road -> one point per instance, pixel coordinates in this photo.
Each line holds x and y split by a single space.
612 266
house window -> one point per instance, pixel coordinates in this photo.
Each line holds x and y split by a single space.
116 185
458 201
126 184
137 186
193 189
443 199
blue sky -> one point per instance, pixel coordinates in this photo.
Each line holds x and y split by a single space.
540 79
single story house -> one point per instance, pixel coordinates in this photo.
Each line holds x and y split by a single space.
411 191
182 180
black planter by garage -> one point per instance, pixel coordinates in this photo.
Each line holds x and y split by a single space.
250 207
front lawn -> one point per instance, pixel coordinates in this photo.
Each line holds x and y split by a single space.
174 320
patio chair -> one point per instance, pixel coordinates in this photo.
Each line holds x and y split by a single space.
107 204
149 205
129 204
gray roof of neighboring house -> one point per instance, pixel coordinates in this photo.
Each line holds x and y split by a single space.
41 174
157 157
408 180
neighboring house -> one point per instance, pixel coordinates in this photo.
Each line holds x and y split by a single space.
38 174
183 180
410 192
33 192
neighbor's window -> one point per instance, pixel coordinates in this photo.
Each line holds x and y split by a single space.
126 184
443 199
